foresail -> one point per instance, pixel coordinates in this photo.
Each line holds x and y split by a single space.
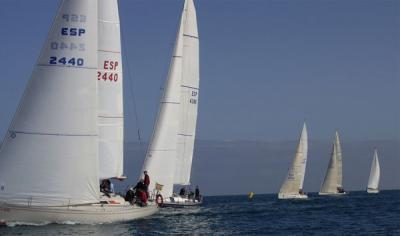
161 155
373 181
331 181
189 96
110 91
49 155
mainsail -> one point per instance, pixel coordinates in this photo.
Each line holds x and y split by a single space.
189 96
373 181
110 91
161 155
339 161
50 153
295 177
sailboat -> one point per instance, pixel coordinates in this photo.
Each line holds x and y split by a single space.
332 184
292 188
170 153
374 176
66 134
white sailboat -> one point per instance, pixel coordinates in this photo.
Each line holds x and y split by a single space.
332 184
170 153
292 188
374 176
51 159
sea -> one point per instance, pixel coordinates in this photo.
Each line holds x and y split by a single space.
357 213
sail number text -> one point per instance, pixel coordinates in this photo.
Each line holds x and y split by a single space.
108 76
66 61
193 100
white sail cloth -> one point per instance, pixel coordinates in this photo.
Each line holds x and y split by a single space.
374 176
189 97
110 91
161 154
50 152
295 176
333 177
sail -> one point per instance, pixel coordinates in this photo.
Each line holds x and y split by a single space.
295 177
189 96
110 94
373 181
161 155
331 178
50 153
339 161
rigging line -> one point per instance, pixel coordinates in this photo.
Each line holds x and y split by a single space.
131 89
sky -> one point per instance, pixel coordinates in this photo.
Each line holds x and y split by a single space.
265 66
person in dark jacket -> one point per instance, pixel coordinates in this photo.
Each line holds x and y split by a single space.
146 182
130 196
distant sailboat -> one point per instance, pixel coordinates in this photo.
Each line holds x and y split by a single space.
332 184
170 153
67 132
374 176
292 188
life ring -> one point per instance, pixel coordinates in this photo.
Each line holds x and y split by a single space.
159 199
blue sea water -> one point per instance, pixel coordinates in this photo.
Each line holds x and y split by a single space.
357 213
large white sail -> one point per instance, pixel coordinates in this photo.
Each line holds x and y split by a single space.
161 155
295 177
330 183
49 155
110 91
189 96
374 176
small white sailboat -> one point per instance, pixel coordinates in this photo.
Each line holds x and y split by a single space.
67 132
332 184
292 188
374 176
170 152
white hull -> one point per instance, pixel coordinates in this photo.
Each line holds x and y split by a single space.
372 190
332 194
180 202
84 214
292 196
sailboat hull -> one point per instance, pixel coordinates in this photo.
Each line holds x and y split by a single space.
369 190
83 214
181 202
292 196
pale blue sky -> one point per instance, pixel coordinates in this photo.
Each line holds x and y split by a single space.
265 65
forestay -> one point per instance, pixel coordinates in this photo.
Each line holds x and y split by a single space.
189 96
161 155
110 91
50 153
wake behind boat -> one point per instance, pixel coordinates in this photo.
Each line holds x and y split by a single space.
67 133
292 188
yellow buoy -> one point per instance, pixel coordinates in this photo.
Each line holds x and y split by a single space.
250 195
